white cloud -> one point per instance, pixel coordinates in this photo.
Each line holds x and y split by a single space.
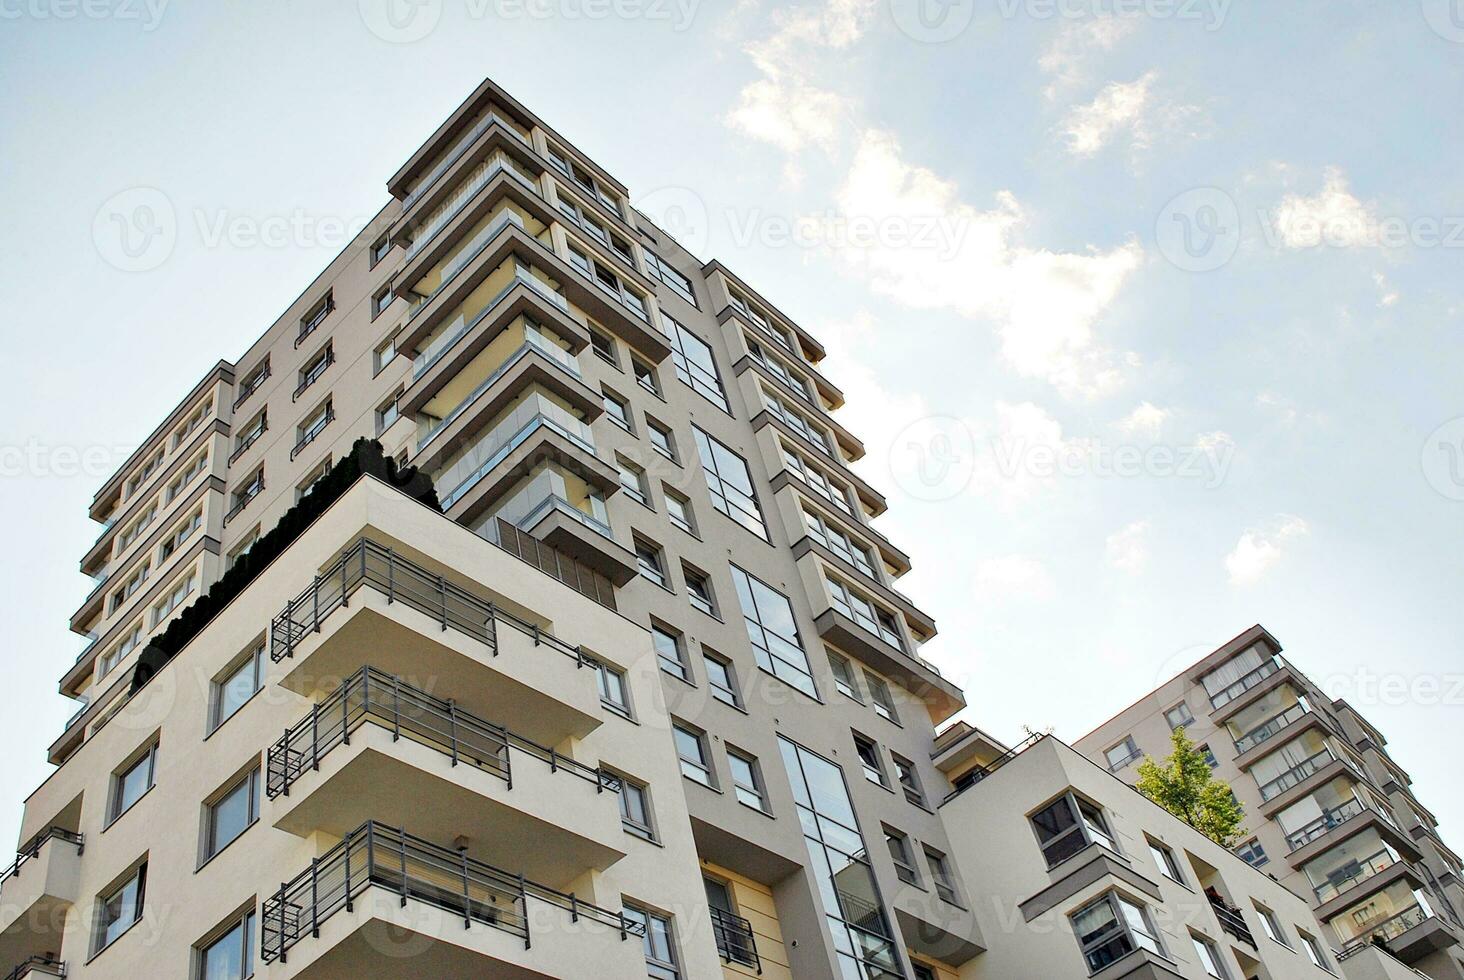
1069 55
1260 548
1130 108
1334 217
1012 578
788 113
1387 295
1147 419
1128 547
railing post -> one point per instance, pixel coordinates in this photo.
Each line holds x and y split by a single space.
524 900
452 729
346 713
370 851
390 576
315 736
348 873
315 599
442 588
467 898
281 903
573 908
402 849
345 603
396 707
315 897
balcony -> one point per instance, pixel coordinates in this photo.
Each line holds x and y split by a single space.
1271 727
242 498
1232 921
254 384
248 440
313 431
457 203
1229 693
1298 774
381 893
1327 822
1354 873
734 939
37 893
415 623
378 747
1409 935
43 965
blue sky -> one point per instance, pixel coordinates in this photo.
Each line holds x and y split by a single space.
1150 319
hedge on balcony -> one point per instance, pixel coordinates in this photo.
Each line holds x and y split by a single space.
366 458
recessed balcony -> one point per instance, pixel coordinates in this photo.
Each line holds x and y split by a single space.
37 893
1401 919
384 902
1341 821
374 605
378 747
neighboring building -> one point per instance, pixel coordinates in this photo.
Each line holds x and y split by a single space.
638 697
1332 814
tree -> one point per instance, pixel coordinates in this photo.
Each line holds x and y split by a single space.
1185 785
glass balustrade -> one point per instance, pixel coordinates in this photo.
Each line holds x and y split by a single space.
535 412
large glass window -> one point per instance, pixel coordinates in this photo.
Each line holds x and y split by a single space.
1111 928
1209 957
130 783
231 956
880 622
237 686
119 909
840 863
1068 825
730 483
661 963
774 634
232 813
694 364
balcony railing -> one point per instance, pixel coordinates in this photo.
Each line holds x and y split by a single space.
452 156
38 966
1329 819
1296 774
316 428
1271 727
249 493
309 326
254 386
32 848
973 776
372 696
1225 695
368 564
496 445
454 206
1390 928
533 341
313 375
376 856
1354 873
734 938
248 441
1232 921
449 336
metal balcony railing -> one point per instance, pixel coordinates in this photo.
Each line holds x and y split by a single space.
310 434
308 326
42 965
1271 727
252 491
32 848
313 375
372 696
1389 929
368 564
1329 819
1354 873
1227 694
971 777
254 386
734 938
1294 776
376 856
248 441
1232 921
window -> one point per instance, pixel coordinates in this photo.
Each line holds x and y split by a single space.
312 426
652 565
380 249
730 483
252 381
175 598
660 269
844 676
872 618
768 616
191 424
870 761
119 652
1271 925
635 809
668 652
231 956
1111 928
778 370
879 695
130 783
1122 754
798 422
604 277
131 586
659 944
119 909
1252 853
612 688
604 347
645 376
633 481
899 846
1067 825
194 470
678 508
180 534
698 589
940 873
242 548
831 490
251 433
839 543
661 439
747 781
1210 759
691 749
1314 951
694 364
617 410
1164 857
722 676
315 367
592 225
232 813
922 972
380 302
135 529
387 413
909 781
237 685
315 317
1209 956
1179 716
384 354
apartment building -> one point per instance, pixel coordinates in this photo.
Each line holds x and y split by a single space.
1331 814
510 608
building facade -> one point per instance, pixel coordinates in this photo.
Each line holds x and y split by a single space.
619 685
1329 811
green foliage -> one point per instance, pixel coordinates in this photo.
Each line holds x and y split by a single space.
1185 785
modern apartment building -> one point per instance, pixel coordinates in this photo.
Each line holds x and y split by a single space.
509 608
1331 813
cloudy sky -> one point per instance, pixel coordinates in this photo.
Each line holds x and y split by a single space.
1150 321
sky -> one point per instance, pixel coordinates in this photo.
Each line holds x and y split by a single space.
1148 311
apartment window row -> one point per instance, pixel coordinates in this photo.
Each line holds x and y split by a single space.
660 269
670 646
798 422
315 316
831 490
693 749
800 385
754 313
937 865
581 176
871 760
872 617
611 282
144 473
194 422
695 366
135 528
840 544
594 227
847 684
